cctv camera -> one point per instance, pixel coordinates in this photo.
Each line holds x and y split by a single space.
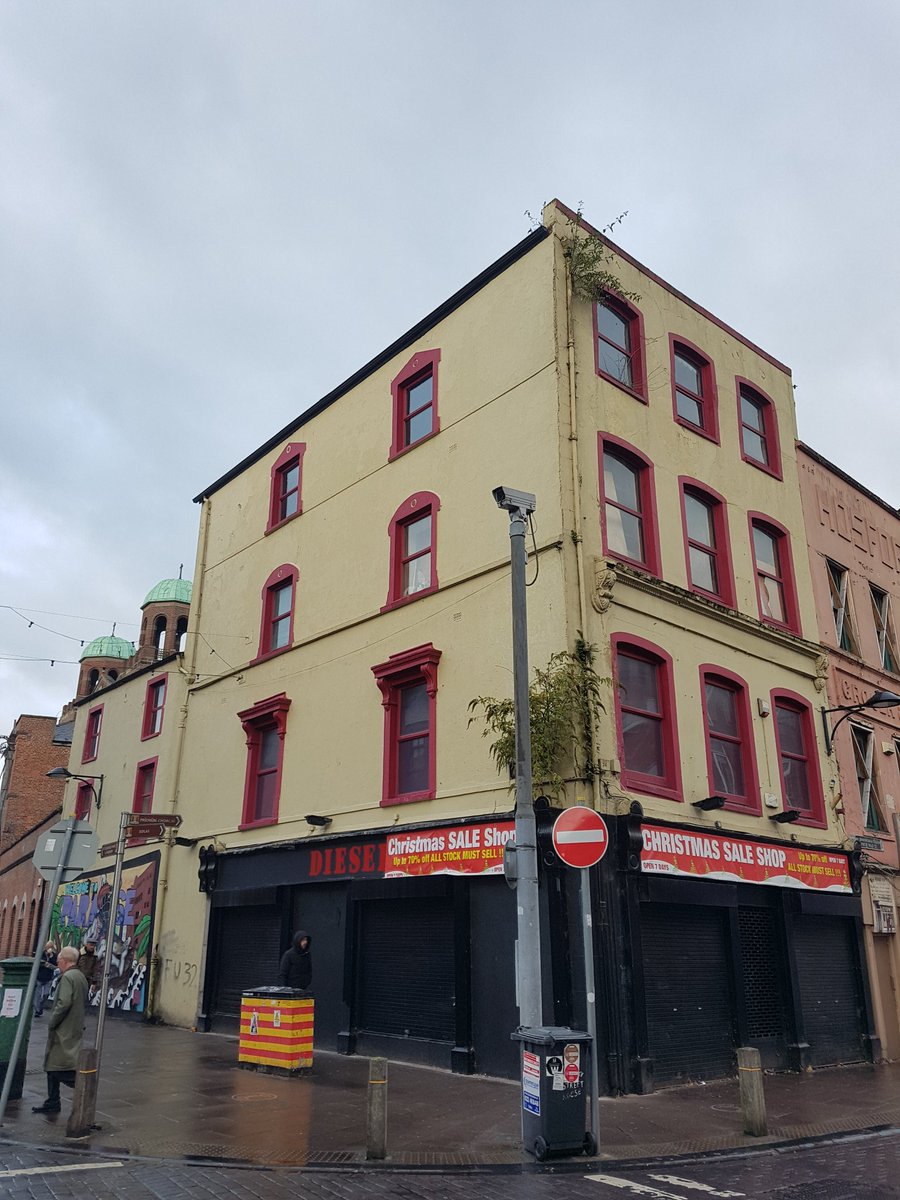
514 501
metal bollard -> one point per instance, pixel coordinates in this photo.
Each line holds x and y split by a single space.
376 1109
753 1097
84 1102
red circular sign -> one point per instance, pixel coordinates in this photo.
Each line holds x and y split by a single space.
571 1073
580 837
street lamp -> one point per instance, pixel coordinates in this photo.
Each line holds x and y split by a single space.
65 773
878 700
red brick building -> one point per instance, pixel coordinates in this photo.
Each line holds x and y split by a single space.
29 803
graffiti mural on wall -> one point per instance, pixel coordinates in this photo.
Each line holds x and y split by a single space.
82 914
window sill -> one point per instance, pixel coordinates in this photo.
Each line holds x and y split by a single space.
401 600
767 470
812 823
148 737
632 562
623 387
747 810
700 432
781 625
285 521
647 787
411 798
261 658
258 824
398 453
93 758
724 601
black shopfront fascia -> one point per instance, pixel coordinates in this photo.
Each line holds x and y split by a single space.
794 920
440 938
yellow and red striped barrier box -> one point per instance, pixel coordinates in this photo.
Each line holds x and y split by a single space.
276 1030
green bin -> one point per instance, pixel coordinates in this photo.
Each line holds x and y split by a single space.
12 1008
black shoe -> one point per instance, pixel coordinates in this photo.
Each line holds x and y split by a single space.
47 1107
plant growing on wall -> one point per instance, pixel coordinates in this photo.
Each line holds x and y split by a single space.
565 698
589 258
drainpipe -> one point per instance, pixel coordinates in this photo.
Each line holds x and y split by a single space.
163 886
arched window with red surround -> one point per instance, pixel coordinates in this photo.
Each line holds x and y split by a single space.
694 396
412 534
645 716
619 345
730 754
707 546
775 588
627 504
408 686
414 395
276 633
758 423
795 739
285 491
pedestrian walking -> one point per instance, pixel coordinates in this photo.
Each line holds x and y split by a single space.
66 1029
90 966
46 971
295 970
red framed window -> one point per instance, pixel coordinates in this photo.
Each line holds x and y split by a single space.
706 542
730 758
413 548
694 399
415 402
144 784
801 782
619 343
775 589
83 798
645 717
627 504
408 685
759 428
92 734
154 707
285 493
265 725
276 632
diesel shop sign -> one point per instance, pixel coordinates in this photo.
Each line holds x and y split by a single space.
702 855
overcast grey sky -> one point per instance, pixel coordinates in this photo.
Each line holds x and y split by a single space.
213 212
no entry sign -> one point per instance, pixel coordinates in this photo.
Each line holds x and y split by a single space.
580 837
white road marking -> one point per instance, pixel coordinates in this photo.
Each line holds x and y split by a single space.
56 1170
636 1189
693 1185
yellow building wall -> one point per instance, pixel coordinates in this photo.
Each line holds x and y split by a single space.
667 614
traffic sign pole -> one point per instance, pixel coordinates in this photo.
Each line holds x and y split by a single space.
581 838
55 882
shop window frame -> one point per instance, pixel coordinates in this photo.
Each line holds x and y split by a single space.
712 673
781 697
668 786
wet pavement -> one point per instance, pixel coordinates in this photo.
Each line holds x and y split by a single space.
171 1094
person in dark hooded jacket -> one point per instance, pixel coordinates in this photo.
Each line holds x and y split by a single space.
295 970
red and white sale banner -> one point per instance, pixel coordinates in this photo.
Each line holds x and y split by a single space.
457 850
704 855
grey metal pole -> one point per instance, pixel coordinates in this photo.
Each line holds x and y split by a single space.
528 961
591 1000
29 991
110 935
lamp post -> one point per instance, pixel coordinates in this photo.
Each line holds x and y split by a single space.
880 699
528 959
65 773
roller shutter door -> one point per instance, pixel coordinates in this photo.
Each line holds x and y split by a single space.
248 951
406 984
764 999
690 1020
829 988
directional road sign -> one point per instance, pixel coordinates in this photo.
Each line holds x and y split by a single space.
169 820
580 836
82 850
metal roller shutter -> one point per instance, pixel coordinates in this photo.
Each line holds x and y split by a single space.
248 952
407 972
763 970
829 988
690 1016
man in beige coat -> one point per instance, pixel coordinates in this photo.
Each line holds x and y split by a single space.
66 1029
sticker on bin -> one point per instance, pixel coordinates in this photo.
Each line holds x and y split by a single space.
531 1064
254 1022
531 1094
